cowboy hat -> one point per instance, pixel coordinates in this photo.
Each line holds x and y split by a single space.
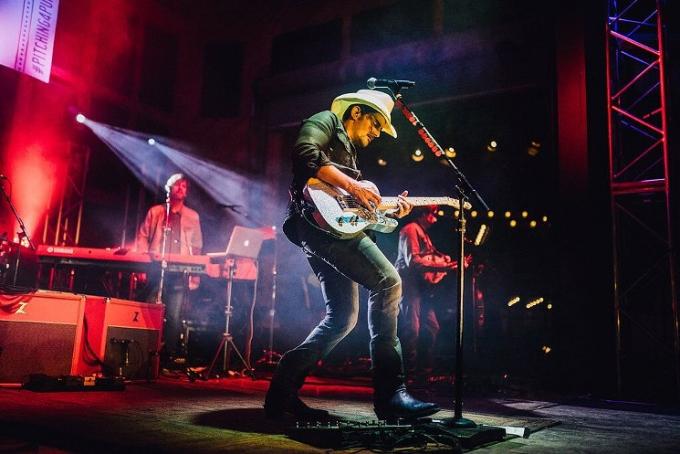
378 100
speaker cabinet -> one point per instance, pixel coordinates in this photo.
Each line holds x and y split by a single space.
127 336
40 333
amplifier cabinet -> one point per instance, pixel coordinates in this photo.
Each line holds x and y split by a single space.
125 335
40 333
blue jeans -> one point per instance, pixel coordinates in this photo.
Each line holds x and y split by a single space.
341 266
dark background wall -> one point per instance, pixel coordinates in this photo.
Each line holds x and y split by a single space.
234 80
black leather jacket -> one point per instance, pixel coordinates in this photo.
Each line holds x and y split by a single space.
322 141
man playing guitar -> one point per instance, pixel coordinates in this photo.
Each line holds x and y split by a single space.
326 149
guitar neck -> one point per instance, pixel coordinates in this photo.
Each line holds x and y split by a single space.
391 202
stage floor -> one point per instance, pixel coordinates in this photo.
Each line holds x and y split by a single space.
175 415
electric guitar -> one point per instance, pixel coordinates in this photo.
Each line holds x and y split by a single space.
339 214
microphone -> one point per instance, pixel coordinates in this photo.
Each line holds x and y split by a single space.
373 83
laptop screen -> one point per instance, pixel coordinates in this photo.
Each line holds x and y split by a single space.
245 242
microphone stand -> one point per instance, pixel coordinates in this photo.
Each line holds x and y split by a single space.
164 245
465 193
18 218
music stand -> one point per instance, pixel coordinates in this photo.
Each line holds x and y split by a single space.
243 243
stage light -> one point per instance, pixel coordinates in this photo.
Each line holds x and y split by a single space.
508 214
417 155
513 301
490 214
226 187
151 141
456 213
382 162
525 214
80 118
492 146
450 152
513 223
549 306
544 218
440 213
473 213
532 224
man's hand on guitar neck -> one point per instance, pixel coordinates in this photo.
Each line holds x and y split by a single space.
453 264
404 206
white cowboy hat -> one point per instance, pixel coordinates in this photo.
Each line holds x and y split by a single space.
378 100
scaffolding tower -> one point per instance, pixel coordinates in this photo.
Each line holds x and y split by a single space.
645 293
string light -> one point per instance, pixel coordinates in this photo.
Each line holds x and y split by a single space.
482 234
532 224
534 302
382 162
417 155
490 214
525 214
508 214
513 301
513 223
450 152
534 148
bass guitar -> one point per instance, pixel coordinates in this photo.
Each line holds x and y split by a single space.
339 214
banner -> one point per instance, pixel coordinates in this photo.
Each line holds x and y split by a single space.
27 30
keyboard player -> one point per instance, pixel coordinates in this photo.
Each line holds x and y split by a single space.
184 237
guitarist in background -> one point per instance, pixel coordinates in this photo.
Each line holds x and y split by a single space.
326 149
421 267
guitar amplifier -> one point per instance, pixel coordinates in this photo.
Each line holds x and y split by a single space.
40 333
125 335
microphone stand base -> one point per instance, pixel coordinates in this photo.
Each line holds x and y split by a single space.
462 423
470 434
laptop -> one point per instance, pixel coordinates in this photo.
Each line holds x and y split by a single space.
245 242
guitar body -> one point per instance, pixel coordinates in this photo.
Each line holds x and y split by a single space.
337 213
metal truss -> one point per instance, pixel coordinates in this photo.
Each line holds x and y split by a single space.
647 343
63 221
